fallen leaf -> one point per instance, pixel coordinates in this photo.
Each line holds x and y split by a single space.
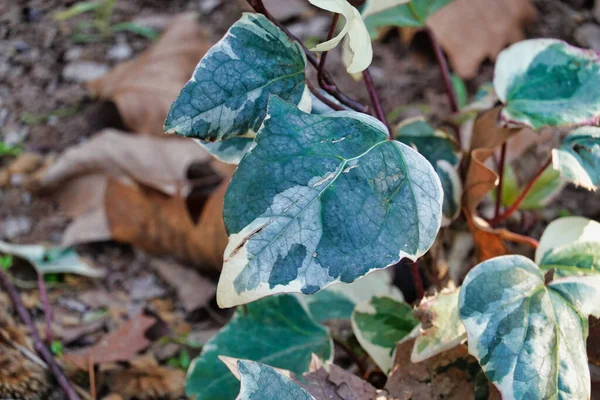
52 260
137 189
120 345
146 380
470 31
445 376
336 383
21 378
144 88
193 290
487 136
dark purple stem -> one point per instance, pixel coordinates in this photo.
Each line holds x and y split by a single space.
501 166
416 274
445 71
379 113
47 308
323 98
38 344
321 69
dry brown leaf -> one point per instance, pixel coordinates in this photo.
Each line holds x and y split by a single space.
445 376
144 88
593 341
193 290
21 378
146 380
337 383
470 31
487 136
135 189
120 345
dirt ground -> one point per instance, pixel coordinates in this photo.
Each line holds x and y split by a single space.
45 108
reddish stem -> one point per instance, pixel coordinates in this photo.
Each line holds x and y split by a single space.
47 309
501 165
517 203
379 113
323 98
321 69
38 344
416 274
445 71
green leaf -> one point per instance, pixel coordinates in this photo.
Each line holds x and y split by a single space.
379 324
52 260
546 82
578 158
571 246
6 262
444 330
323 199
460 89
7 150
440 150
338 301
543 192
276 330
528 337
228 93
412 14
135 28
262 382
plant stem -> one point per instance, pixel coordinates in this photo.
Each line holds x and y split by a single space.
416 274
500 180
517 203
321 69
323 98
38 344
379 113
330 87
445 71
47 309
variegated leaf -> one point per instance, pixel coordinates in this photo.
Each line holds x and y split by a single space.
262 382
277 330
379 324
570 246
578 158
546 82
529 337
443 330
229 151
440 150
412 14
323 199
228 93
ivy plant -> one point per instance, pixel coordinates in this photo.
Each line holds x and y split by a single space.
326 195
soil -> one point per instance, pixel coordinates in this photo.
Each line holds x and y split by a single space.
42 111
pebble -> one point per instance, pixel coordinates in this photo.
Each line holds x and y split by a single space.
119 52
588 36
83 71
13 227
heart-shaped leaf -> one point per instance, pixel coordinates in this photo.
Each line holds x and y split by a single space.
441 328
262 382
412 14
228 94
229 151
323 199
569 76
543 192
529 337
440 150
570 246
379 324
276 330
578 158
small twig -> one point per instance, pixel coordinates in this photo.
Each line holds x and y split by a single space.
517 203
92 375
379 113
416 274
501 166
47 309
350 354
331 87
38 344
323 98
445 71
